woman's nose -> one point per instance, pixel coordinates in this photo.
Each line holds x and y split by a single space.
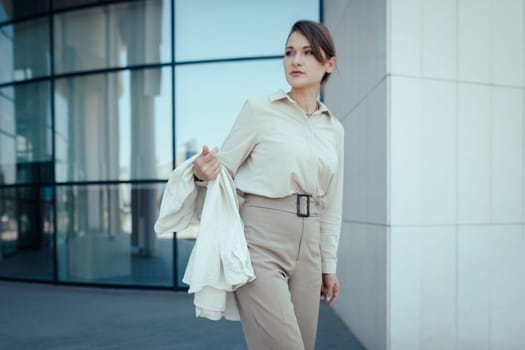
297 60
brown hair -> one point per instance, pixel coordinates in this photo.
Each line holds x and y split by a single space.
319 38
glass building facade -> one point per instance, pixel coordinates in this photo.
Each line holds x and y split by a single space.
99 101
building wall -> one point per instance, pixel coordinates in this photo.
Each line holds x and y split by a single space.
357 94
435 146
99 100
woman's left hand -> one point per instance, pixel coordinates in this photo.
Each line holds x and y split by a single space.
330 288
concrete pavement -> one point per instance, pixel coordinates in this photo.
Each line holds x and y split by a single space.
42 316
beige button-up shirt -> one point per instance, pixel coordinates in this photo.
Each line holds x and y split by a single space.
275 150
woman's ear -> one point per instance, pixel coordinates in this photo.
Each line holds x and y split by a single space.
330 64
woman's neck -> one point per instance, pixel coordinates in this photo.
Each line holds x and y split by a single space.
306 99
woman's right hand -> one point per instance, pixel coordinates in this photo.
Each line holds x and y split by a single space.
207 166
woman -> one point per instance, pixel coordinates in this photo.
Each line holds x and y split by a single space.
285 152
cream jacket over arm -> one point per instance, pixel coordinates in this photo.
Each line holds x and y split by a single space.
219 262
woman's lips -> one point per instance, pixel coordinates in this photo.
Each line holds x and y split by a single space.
296 73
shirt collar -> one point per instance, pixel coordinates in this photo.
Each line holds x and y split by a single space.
281 95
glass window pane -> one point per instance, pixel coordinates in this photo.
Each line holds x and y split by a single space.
14 9
205 110
105 235
25 134
24 49
26 233
113 36
207 29
61 4
205 114
185 243
114 126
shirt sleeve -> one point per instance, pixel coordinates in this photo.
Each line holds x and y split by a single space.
331 216
240 141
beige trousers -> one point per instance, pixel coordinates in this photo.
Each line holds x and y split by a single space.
280 309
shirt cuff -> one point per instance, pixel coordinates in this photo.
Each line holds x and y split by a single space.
329 266
200 183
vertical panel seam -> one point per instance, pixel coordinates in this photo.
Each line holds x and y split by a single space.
421 38
456 306
175 274
491 152
523 121
53 136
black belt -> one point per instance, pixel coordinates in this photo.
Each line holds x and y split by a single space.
303 205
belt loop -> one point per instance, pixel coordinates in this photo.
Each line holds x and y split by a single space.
299 211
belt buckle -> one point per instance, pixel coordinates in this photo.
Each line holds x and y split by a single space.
299 211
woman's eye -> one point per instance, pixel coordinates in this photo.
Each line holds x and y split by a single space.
308 52
288 53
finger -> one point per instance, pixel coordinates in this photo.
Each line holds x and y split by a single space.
211 169
205 150
218 168
199 166
201 169
211 164
332 301
329 292
335 294
211 156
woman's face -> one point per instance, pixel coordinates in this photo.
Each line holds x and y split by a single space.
301 67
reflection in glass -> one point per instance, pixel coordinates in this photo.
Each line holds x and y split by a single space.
113 36
14 9
205 114
208 29
205 111
105 235
24 49
26 233
114 126
25 134
61 4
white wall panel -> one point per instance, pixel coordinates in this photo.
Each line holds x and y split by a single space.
438 153
405 284
507 42
360 38
406 37
423 287
334 14
474 44
437 246
474 147
507 167
341 88
507 287
523 154
405 150
376 155
423 151
474 247
362 274
438 54
355 151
